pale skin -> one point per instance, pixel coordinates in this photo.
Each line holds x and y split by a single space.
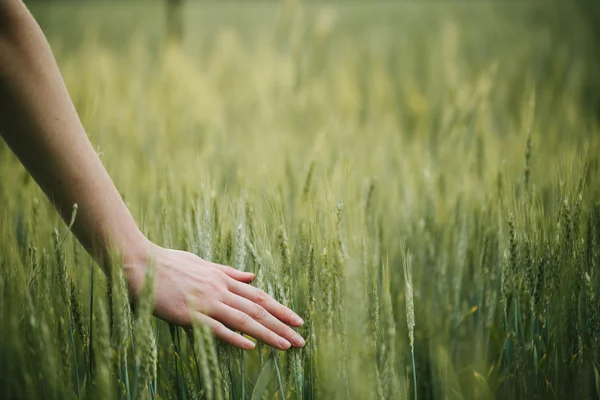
40 124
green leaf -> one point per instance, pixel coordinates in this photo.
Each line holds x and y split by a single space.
263 380
486 392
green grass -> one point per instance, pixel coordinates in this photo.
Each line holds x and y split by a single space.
333 155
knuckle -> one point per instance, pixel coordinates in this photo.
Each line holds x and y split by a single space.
200 307
284 312
222 333
220 275
217 285
216 329
261 297
281 329
230 270
225 279
242 319
273 339
259 312
211 284
216 290
285 331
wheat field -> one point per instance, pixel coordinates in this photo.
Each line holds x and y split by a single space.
419 183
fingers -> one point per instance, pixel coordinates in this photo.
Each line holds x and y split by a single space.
241 321
262 316
259 297
223 333
236 274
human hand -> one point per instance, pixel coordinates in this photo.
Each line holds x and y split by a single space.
188 288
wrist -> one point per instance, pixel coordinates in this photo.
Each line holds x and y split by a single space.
135 257
136 249
132 251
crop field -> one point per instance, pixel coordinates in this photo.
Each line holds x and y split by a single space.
419 182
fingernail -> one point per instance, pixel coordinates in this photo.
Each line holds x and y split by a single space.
284 344
250 345
297 320
298 341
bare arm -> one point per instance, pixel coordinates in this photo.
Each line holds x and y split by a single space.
39 123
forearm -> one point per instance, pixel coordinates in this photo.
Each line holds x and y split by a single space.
39 123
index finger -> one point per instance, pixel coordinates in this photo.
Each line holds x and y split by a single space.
261 298
236 273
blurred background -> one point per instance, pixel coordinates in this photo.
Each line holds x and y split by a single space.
561 37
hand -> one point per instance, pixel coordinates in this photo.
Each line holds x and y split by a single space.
189 288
